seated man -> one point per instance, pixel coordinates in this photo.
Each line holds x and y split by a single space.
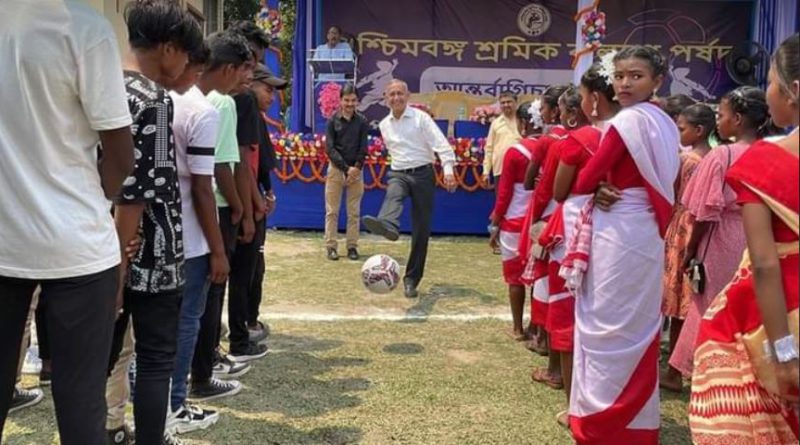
334 48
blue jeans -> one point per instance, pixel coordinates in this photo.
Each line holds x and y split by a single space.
195 293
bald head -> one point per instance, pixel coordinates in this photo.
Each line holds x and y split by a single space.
396 96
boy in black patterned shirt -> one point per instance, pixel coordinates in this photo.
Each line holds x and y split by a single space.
149 206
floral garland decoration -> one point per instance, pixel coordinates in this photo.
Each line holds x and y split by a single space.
593 31
270 21
329 99
311 147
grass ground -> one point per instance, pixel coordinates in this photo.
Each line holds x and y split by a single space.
378 382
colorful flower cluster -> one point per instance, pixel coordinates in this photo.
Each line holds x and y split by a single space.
329 99
295 146
485 114
311 147
270 21
593 29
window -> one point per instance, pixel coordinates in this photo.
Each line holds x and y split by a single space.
211 11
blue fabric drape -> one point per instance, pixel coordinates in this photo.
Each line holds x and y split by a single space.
303 35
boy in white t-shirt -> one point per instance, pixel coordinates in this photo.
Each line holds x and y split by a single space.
197 127
63 86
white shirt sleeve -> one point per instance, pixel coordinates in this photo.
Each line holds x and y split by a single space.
101 87
439 143
202 140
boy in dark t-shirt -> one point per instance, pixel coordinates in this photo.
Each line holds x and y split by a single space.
149 206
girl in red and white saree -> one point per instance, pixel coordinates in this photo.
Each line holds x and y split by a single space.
745 385
615 396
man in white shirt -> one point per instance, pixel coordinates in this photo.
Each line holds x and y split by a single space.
63 95
334 48
413 140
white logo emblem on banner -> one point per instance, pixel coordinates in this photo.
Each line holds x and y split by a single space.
534 20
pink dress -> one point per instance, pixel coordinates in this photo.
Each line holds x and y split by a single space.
709 199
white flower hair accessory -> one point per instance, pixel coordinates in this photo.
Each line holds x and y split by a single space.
535 111
607 66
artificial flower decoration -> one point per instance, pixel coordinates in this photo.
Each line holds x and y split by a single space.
270 21
485 114
329 99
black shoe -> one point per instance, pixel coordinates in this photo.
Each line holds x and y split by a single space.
120 436
252 352
45 378
380 227
352 253
333 255
214 389
24 398
410 289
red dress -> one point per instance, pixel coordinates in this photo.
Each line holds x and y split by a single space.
575 150
733 392
510 207
536 268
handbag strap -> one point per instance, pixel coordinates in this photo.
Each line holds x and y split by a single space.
714 227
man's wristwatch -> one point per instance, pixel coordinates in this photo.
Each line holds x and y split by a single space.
786 349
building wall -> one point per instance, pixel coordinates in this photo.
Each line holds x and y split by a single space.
113 10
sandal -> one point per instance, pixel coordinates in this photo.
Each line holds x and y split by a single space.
542 375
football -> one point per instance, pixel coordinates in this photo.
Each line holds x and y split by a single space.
380 274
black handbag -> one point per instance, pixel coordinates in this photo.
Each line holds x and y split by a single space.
697 269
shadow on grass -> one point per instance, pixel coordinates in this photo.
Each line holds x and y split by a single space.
441 291
290 380
240 431
404 348
673 433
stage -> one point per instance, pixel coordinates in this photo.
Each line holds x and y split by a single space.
299 184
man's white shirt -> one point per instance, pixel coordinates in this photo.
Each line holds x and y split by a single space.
414 140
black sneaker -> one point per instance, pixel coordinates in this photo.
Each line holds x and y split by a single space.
252 352
227 369
24 398
190 418
120 436
213 389
333 255
380 227
258 333
352 253
45 378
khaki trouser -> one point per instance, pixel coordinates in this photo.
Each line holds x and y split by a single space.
118 386
335 185
26 335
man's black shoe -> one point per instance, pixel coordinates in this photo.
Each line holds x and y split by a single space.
352 253
380 227
410 289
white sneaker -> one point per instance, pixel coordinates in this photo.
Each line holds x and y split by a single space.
170 439
190 418
227 369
